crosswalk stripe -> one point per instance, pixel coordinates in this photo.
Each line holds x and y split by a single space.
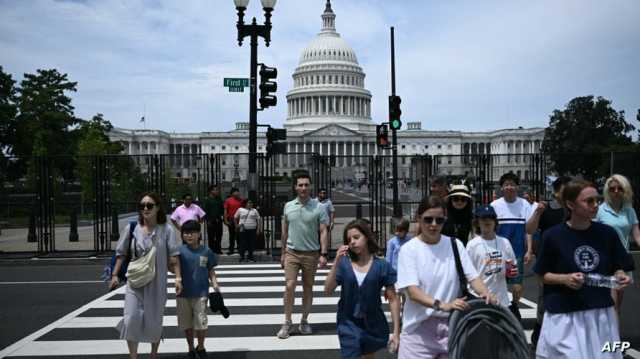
256 279
214 320
238 344
234 302
258 289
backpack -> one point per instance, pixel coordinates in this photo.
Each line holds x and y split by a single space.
122 275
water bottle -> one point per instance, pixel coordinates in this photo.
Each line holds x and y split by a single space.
599 280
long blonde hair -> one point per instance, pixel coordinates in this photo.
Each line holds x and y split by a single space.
627 194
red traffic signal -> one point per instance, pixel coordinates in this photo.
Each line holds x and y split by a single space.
382 136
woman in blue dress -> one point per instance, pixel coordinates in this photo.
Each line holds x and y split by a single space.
362 325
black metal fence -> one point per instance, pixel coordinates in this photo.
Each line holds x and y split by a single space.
62 205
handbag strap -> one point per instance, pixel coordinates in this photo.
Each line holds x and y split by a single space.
132 227
461 277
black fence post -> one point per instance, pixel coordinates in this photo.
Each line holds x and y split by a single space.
73 225
31 237
359 211
115 226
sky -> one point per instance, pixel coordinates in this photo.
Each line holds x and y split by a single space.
462 65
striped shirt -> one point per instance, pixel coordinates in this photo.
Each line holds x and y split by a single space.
512 221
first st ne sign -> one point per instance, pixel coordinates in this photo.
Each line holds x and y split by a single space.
236 84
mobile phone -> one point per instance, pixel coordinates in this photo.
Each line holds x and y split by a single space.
353 255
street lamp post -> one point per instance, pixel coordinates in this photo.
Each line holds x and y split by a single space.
254 31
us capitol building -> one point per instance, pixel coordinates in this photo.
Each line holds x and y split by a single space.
329 112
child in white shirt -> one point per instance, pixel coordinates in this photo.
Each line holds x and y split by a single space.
491 254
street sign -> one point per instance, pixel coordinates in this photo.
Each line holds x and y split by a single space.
236 89
236 82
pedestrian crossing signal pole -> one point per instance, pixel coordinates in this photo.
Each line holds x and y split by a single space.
395 124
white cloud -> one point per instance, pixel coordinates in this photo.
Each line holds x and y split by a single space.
461 65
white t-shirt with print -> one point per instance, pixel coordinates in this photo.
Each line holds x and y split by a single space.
489 258
431 268
248 218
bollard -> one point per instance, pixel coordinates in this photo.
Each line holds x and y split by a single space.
31 237
115 226
73 226
359 210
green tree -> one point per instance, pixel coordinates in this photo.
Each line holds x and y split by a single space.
580 135
93 141
8 111
46 114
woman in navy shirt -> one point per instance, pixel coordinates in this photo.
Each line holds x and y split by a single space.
362 325
579 318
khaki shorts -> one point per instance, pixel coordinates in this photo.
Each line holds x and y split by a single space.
295 261
192 313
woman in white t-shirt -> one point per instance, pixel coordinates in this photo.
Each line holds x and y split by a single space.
491 254
428 276
248 226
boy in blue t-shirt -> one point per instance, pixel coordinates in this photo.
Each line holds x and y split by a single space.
401 237
197 263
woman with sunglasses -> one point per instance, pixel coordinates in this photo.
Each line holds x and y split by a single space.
144 306
579 315
617 211
428 276
459 213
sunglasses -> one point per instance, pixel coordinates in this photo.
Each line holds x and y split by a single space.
146 205
459 199
431 220
616 189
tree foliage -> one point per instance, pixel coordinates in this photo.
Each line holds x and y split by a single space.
579 135
93 141
8 111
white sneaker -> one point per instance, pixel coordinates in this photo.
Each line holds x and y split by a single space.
304 328
285 331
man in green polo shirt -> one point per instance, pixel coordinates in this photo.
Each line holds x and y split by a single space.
303 218
214 208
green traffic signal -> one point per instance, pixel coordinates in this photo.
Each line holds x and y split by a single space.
395 112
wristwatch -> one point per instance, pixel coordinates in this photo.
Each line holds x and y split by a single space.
436 305
324 255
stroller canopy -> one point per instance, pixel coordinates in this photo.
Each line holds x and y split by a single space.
486 331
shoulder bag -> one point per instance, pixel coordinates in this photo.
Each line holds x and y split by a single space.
461 277
142 270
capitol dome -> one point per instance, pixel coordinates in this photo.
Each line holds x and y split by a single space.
328 84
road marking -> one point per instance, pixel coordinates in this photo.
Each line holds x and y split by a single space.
258 271
256 279
259 289
56 282
214 320
177 345
234 302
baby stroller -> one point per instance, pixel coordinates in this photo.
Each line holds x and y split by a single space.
486 331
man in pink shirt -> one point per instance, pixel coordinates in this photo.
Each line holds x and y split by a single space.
187 211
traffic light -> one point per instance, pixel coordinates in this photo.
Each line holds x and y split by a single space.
267 87
382 136
395 112
273 136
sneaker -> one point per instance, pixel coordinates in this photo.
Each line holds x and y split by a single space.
252 260
304 328
192 355
241 260
202 353
285 331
